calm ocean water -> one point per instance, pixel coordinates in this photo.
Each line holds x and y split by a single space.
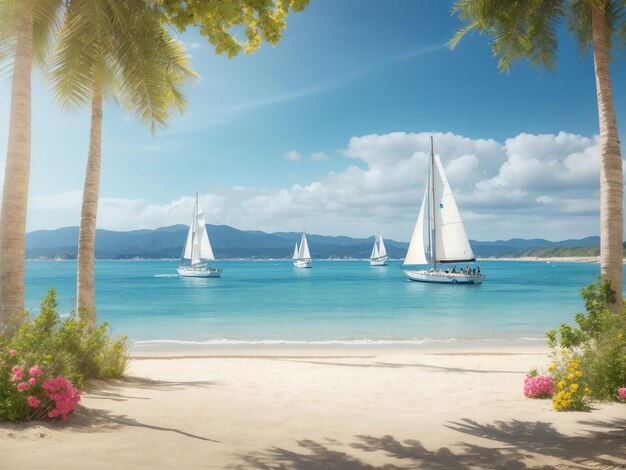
335 302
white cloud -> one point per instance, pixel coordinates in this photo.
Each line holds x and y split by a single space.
319 157
530 186
292 155
192 45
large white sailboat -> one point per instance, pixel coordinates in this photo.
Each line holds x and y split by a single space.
301 255
379 253
439 236
197 248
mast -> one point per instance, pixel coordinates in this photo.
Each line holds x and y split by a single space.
433 239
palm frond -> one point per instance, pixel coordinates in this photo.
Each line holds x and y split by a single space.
9 25
519 29
47 21
150 67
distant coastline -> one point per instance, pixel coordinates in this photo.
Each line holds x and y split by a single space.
551 259
555 259
230 243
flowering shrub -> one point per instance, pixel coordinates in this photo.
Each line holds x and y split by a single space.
572 394
42 365
538 386
32 396
621 393
597 342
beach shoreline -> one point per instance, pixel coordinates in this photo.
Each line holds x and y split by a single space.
174 350
295 408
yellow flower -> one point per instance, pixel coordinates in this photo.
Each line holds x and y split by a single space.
561 384
570 377
587 391
563 352
571 370
575 364
573 388
620 335
578 373
552 367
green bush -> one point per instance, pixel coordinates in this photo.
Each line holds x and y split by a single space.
71 348
599 340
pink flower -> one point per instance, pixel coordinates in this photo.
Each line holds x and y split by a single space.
33 401
16 369
17 375
34 371
23 386
64 395
12 352
539 386
32 381
622 393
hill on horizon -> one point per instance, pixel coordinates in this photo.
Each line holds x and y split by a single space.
231 243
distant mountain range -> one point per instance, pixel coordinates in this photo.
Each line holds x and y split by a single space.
231 243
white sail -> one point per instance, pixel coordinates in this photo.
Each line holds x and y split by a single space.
374 250
197 245
295 251
417 247
188 249
304 248
205 251
382 251
451 244
188 242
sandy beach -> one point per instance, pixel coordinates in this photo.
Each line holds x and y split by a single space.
344 409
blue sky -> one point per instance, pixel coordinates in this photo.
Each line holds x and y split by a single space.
329 130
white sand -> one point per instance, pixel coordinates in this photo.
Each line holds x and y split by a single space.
323 409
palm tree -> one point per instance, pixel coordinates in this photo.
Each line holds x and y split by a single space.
528 29
116 47
26 31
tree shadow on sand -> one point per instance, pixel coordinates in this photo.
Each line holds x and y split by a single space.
92 420
87 420
503 445
389 365
110 389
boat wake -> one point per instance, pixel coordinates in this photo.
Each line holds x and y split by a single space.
166 275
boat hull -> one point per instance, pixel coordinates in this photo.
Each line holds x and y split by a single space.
303 263
380 261
200 271
442 277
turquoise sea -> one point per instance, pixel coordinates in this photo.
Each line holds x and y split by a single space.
336 302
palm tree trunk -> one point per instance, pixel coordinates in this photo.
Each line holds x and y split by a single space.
86 293
16 175
611 180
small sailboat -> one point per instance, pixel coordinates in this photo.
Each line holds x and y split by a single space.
439 236
197 248
301 255
379 253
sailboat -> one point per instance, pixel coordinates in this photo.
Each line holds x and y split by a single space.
301 255
197 248
439 236
379 253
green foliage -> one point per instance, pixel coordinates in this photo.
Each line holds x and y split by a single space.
70 347
599 340
12 405
120 46
529 29
219 20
